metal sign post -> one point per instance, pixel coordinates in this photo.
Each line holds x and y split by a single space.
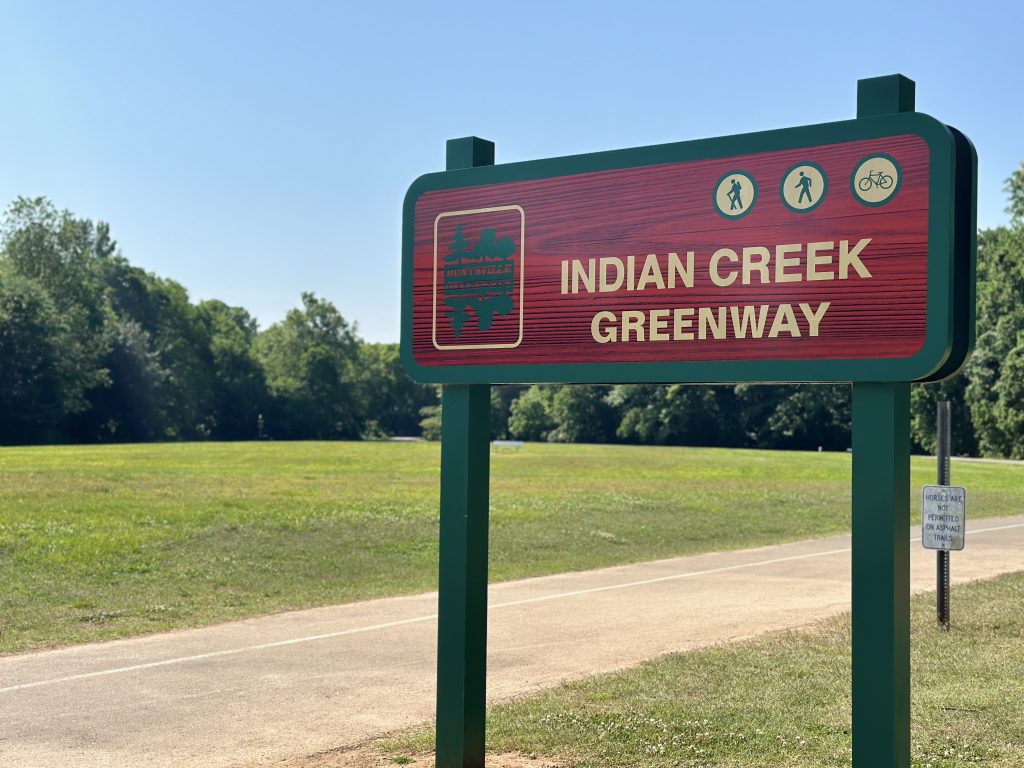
942 556
462 569
943 517
881 517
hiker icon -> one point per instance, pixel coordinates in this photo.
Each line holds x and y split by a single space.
735 194
804 187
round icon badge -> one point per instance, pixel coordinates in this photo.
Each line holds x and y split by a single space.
804 187
876 179
735 195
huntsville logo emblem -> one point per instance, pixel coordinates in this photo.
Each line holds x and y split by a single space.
478 278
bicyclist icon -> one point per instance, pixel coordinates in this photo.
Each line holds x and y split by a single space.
880 179
876 179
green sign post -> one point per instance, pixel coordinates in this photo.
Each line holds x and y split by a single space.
755 268
462 577
881 520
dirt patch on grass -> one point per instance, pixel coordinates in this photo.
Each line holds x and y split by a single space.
369 757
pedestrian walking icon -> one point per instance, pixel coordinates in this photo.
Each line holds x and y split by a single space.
804 187
735 194
876 179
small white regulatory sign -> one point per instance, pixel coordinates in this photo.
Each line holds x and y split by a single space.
943 517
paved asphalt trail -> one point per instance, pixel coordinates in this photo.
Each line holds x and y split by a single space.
294 684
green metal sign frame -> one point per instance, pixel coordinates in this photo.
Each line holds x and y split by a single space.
881 441
940 352
965 247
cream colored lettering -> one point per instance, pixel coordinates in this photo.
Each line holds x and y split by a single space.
711 319
814 317
603 335
605 285
750 317
716 277
651 273
848 258
816 259
633 320
782 261
755 259
683 317
583 275
784 320
659 325
676 267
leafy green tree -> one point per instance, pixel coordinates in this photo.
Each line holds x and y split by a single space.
812 416
639 409
1010 403
132 407
699 415
310 361
754 406
391 401
430 418
924 399
581 415
135 357
502 397
238 386
57 252
182 340
674 414
530 415
793 416
1014 189
1000 328
33 373
158 354
60 252
981 395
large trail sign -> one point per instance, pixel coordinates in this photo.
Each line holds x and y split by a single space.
840 252
821 253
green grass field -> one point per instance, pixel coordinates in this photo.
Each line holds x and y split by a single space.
784 699
107 541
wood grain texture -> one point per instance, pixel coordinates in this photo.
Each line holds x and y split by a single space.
668 208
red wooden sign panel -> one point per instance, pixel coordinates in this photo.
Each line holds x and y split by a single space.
815 253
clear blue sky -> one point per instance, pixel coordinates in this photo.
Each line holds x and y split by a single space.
255 150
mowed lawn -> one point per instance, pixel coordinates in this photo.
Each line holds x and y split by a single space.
781 700
106 541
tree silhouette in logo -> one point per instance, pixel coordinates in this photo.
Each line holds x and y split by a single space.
478 281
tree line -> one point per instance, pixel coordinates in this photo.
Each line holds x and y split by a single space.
94 349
